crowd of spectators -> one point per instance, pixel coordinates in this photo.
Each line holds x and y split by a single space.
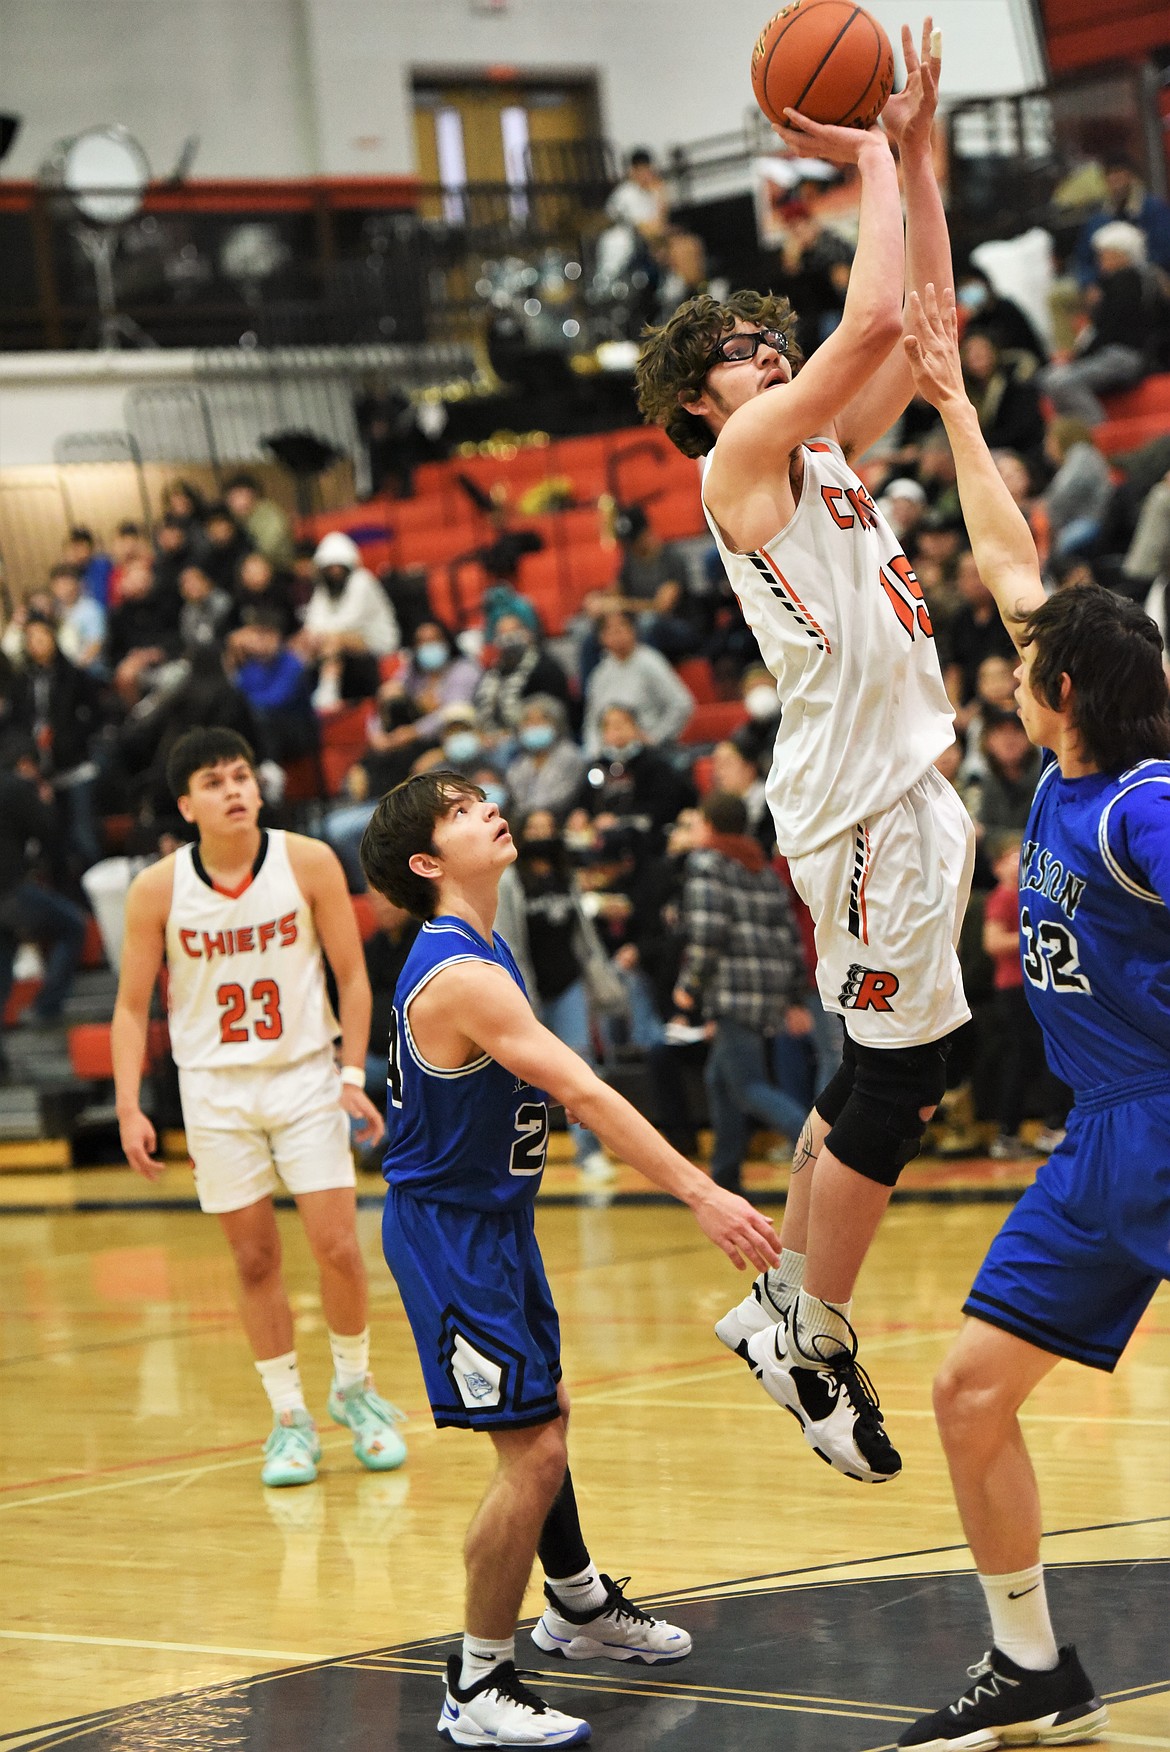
646 858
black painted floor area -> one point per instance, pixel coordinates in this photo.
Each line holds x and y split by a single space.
833 1667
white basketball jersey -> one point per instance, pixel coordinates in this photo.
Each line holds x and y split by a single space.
247 982
841 623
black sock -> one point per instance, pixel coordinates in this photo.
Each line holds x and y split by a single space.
561 1548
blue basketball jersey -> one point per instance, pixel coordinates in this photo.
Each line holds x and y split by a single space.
476 1136
1095 929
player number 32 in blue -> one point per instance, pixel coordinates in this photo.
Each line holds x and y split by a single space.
1050 955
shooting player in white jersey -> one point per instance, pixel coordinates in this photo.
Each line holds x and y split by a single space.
877 843
242 919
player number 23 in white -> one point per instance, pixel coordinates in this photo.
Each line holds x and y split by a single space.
1050 955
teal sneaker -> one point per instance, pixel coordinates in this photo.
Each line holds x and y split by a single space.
292 1450
376 1442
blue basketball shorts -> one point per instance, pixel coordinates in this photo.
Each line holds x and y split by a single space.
480 1309
1073 1269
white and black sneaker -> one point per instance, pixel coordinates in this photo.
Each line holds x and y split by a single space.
833 1401
754 1314
1014 1706
499 1710
617 1631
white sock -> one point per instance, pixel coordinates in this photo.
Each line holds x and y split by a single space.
351 1357
480 1655
282 1383
1020 1626
819 1330
584 1592
783 1281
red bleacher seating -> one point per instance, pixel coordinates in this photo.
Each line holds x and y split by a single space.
455 592
346 728
715 722
335 763
363 912
435 546
699 677
557 580
703 773
91 1056
1135 416
677 514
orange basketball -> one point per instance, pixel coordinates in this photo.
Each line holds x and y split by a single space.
829 59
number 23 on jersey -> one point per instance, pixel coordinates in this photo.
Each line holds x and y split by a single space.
249 1015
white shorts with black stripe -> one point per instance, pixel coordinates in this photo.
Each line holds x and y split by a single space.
887 900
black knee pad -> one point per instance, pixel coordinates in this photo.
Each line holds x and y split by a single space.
839 1087
879 1129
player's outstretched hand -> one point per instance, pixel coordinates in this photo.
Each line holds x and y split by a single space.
744 1233
138 1141
932 346
909 114
809 139
358 1105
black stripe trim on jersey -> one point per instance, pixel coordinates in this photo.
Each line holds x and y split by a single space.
257 865
803 621
860 858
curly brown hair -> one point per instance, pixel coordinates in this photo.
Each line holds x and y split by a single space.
675 358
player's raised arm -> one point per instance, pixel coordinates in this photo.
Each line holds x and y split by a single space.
496 1017
142 954
908 119
1000 539
763 432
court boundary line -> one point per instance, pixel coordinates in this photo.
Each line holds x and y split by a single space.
77 1724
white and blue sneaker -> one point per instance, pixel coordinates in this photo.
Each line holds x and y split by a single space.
617 1631
498 1710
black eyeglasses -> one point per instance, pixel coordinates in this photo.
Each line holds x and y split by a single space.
738 349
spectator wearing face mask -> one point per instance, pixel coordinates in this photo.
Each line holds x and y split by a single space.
521 669
548 771
349 624
463 740
437 676
757 738
1000 319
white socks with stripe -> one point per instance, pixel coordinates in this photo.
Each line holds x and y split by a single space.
818 1331
583 1592
282 1383
481 1656
1020 1626
783 1281
351 1357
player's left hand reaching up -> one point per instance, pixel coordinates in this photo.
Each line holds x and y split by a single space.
909 114
743 1232
358 1105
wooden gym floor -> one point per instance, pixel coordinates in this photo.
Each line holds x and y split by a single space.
156 1598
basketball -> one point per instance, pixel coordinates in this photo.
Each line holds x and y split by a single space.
829 59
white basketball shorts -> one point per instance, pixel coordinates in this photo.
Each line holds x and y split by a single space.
887 900
249 1129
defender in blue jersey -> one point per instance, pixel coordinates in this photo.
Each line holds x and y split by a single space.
471 1072
1073 1269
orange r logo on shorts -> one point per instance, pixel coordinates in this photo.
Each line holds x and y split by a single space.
867 989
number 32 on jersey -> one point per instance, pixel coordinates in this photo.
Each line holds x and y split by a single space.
1051 956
